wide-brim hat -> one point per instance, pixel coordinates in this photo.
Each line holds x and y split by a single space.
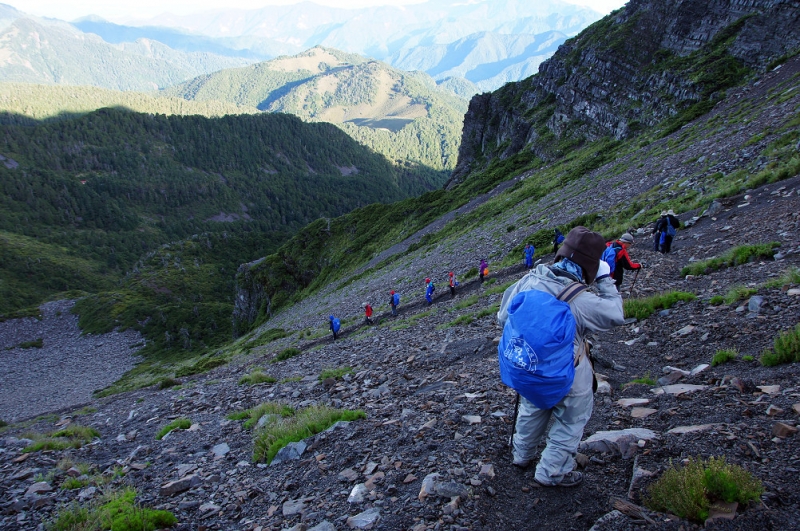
670 212
584 247
663 212
626 238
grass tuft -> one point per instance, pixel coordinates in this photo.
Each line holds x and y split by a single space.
305 423
644 380
724 356
734 257
785 349
253 415
691 490
257 377
644 308
166 383
285 354
74 436
177 424
117 511
336 374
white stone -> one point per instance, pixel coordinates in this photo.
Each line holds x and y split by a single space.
680 430
627 402
678 389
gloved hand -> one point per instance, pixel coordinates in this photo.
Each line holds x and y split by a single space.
604 271
643 264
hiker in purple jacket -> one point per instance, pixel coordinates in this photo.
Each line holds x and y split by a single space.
484 269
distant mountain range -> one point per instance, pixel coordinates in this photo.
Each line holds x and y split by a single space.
487 42
52 52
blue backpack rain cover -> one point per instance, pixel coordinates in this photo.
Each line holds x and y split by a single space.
396 299
610 257
336 325
671 230
536 351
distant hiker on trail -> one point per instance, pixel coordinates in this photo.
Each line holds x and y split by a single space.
484 272
618 252
546 317
452 283
394 301
558 239
668 228
657 231
367 313
429 289
529 251
334 326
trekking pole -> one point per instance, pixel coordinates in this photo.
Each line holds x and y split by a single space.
514 422
635 277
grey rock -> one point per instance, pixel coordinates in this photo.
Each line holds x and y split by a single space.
755 303
180 485
221 450
323 526
290 452
451 489
364 520
292 507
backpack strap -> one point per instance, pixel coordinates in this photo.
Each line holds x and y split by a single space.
570 292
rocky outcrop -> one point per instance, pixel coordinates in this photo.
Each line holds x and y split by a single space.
636 67
250 297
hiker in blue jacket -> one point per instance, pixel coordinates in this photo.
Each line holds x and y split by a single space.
529 251
577 263
657 230
394 301
558 239
429 289
334 326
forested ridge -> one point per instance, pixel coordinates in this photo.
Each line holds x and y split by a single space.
99 192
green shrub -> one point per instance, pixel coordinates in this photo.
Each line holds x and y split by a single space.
645 380
3 423
737 293
253 415
734 257
74 483
336 374
36 343
200 366
462 320
177 424
305 423
747 358
166 383
73 436
285 354
785 349
290 379
724 356
690 491
471 272
116 511
256 377
716 300
644 308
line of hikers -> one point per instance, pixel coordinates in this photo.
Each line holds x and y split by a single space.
615 255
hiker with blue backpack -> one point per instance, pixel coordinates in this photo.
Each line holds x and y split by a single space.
617 257
529 252
394 301
543 352
668 227
657 231
429 289
334 326
558 239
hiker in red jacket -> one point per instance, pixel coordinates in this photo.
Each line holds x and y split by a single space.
367 312
623 259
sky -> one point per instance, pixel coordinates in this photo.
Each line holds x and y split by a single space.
119 11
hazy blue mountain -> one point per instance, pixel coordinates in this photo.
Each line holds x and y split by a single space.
34 51
488 41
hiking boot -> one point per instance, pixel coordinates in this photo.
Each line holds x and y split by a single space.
572 479
521 463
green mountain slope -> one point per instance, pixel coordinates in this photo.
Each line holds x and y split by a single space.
107 188
54 54
27 103
402 115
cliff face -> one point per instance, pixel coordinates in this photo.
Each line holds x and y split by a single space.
640 65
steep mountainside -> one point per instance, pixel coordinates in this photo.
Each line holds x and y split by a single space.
635 68
399 114
33 52
404 36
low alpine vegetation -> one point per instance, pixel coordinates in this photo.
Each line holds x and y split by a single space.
644 308
737 293
466 303
177 424
304 423
272 410
734 257
785 349
202 365
336 374
73 436
691 491
285 354
116 511
724 356
257 377
644 380
36 343
166 383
